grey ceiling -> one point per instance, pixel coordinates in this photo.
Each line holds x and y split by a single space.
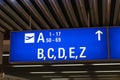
18 15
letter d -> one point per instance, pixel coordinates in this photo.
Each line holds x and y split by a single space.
61 53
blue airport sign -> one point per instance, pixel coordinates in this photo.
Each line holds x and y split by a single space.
59 45
114 35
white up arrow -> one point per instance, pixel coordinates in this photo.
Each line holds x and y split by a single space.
99 34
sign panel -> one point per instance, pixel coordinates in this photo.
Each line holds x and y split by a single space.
114 35
59 45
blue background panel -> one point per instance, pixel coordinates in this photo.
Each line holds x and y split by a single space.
114 34
66 38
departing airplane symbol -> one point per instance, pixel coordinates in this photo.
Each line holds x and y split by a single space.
29 37
99 34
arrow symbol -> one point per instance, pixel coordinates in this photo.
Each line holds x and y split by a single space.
99 34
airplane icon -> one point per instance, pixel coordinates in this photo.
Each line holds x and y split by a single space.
29 37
